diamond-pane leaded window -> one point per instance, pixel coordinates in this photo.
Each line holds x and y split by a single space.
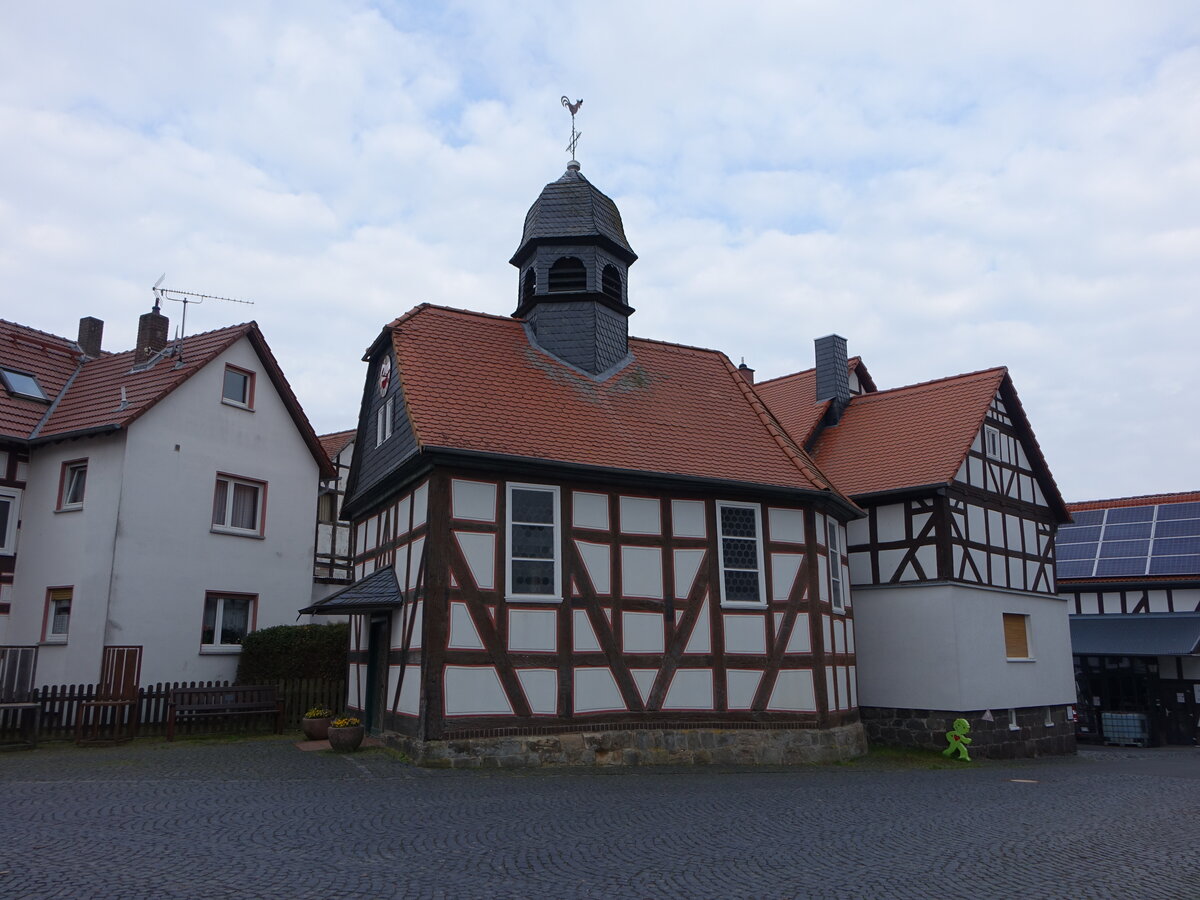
533 542
741 554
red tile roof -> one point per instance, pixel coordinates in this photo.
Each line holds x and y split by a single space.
335 443
86 395
49 358
474 382
792 398
1144 500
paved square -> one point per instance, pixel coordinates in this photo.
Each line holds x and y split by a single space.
261 819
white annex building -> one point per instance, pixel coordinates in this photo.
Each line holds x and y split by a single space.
162 497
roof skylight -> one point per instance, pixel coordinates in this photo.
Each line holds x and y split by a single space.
22 384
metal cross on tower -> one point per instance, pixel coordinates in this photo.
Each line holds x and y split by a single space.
575 135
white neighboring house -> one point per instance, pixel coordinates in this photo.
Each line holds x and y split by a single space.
333 563
161 497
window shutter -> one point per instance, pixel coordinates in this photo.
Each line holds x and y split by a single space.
1016 636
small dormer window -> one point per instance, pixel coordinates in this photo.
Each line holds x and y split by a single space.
22 384
568 274
610 282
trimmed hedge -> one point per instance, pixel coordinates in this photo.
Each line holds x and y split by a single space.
294 651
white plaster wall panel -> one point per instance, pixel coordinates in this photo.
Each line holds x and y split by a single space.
975 471
741 686
597 559
687 518
745 633
778 622
927 557
690 689
1031 573
687 564
400 566
843 678
404 514
919 520
640 515
784 567
475 500
420 505
641 572
823 579
642 632
1029 530
980 558
372 533
533 630
793 692
419 626
589 510
977 442
822 531
827 632
596 690
860 568
995 520
414 569
583 635
1039 497
890 522
1089 604
999 570
479 550
853 688
858 531
847 594
889 562
849 635
474 691
409 703
354 683
541 690
831 688
1157 601
800 640
700 640
839 635
1022 459
786 525
1016 573
961 474
644 679
976 529
463 634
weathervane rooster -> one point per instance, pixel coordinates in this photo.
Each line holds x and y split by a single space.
575 135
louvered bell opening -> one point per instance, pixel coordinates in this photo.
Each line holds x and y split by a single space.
567 274
530 285
610 282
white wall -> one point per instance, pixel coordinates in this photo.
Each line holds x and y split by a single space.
67 549
167 557
942 647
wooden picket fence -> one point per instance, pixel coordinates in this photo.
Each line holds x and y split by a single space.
60 705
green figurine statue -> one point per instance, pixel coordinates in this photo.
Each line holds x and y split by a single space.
958 740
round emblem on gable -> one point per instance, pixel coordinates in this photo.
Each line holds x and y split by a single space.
385 375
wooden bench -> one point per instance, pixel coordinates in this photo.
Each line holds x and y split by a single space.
212 702
18 665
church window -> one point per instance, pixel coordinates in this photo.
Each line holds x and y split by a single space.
534 566
568 274
739 527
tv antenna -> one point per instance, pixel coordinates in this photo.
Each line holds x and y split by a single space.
185 297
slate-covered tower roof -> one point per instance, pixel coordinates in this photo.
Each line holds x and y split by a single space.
573 289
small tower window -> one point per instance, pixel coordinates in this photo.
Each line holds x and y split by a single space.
610 282
568 274
530 283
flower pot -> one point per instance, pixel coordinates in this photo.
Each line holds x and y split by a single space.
346 740
316 729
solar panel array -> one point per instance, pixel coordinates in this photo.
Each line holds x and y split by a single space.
1131 541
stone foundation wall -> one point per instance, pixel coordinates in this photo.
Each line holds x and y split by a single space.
989 740
641 748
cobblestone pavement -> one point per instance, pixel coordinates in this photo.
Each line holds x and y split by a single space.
260 819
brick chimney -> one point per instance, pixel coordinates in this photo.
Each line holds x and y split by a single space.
833 376
152 335
91 332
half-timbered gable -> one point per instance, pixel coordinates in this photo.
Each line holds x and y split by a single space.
1129 569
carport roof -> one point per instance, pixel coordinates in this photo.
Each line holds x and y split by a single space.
1136 634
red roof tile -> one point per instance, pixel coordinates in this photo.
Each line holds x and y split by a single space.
909 436
474 382
49 358
792 399
1144 500
335 443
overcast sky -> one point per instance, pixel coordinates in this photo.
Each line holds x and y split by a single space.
950 186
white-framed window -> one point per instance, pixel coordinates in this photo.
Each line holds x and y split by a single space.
534 559
383 422
72 484
228 618
237 389
1016 637
239 505
739 531
10 514
836 584
58 615
991 441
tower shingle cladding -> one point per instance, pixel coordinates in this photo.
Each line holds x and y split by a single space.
583 333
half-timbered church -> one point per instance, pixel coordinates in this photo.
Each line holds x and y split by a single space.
574 545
